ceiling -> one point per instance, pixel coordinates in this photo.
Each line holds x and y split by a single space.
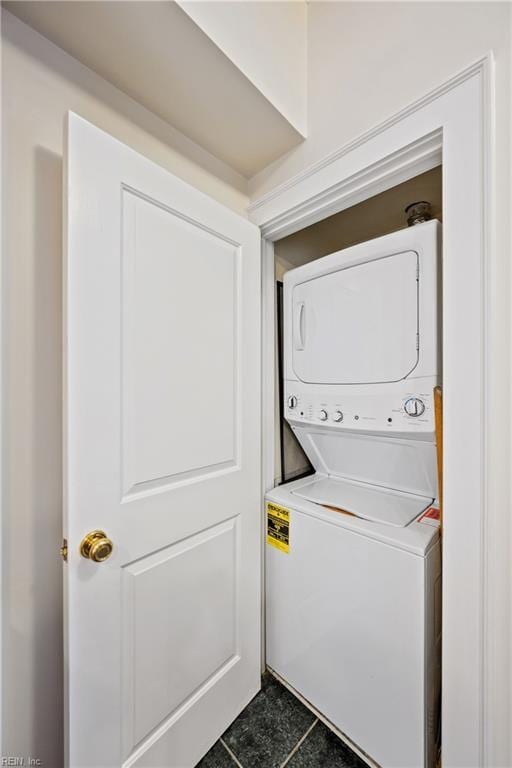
154 52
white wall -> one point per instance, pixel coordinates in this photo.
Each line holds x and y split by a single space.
40 83
268 42
367 61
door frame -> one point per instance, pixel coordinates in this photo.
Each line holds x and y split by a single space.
453 124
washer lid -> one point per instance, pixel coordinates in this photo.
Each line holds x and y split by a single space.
370 502
400 464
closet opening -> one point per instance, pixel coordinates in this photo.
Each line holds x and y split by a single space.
353 557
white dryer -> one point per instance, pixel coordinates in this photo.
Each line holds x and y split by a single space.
353 563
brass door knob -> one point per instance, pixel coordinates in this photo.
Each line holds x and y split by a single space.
96 546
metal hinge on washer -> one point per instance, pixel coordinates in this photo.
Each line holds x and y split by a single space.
64 550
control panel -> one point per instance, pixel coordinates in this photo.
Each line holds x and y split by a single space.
407 411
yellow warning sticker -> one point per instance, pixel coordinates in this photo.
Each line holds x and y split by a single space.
278 527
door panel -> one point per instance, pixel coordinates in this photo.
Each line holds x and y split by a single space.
359 324
180 315
173 601
162 294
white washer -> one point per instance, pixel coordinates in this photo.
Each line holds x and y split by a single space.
353 623
353 601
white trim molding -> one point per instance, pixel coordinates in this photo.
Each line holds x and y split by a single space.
454 125
263 209
386 172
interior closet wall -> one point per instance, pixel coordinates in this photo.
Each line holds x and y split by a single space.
40 83
377 216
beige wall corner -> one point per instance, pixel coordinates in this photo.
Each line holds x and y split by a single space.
267 41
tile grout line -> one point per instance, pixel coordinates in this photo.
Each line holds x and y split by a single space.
230 753
298 744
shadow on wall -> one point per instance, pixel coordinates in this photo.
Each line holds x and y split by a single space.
34 432
47 441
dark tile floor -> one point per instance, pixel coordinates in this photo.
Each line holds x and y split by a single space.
275 730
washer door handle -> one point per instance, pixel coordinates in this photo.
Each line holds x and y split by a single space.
300 325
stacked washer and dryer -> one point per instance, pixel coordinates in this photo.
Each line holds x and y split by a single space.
353 611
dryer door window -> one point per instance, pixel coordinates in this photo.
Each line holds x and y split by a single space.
358 325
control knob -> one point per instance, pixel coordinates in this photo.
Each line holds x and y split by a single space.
414 406
322 415
292 401
337 416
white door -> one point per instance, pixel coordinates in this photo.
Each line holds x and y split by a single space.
162 438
